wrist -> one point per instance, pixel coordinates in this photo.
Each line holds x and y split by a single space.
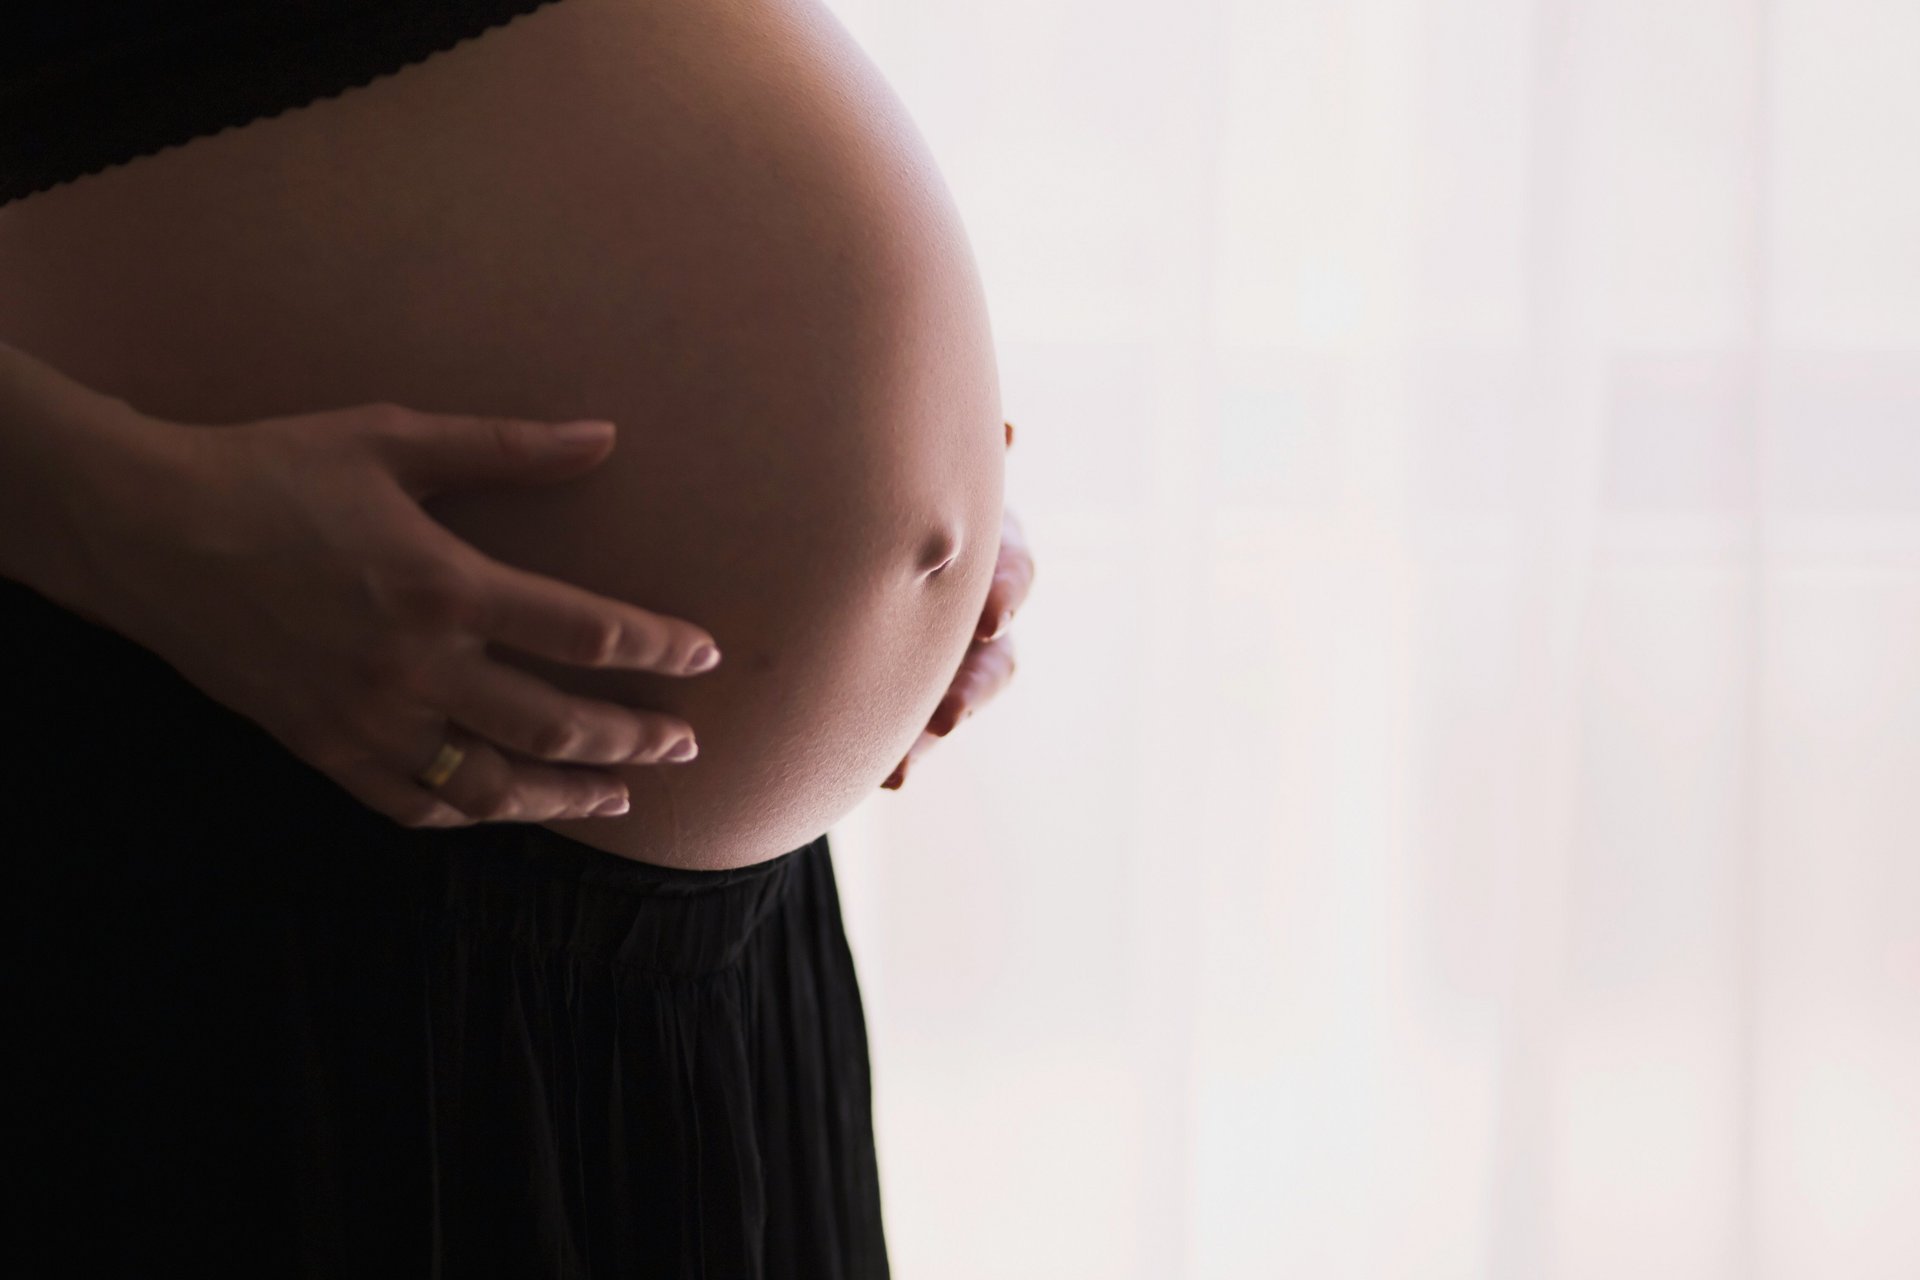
75 465
127 480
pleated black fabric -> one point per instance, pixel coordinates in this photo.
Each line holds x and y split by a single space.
256 1029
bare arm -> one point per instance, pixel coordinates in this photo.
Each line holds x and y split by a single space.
60 443
286 568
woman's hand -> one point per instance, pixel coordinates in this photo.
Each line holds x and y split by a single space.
286 568
988 663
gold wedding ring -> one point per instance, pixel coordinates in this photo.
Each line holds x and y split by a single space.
442 767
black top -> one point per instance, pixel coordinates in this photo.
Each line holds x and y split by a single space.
87 84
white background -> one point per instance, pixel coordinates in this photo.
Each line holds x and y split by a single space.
1458 812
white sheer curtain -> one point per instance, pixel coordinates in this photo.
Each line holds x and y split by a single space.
1458 813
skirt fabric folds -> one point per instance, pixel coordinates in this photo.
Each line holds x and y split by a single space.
255 1028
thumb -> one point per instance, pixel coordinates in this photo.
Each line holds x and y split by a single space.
433 453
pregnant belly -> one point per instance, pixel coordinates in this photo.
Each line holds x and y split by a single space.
713 225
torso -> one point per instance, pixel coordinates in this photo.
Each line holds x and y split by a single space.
711 223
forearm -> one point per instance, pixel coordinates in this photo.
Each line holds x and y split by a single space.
68 455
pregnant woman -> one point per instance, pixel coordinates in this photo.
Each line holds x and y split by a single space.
336 615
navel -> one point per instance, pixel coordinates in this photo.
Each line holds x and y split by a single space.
938 551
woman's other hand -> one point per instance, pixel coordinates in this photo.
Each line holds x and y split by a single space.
989 661
286 568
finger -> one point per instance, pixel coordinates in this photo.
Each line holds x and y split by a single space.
404 801
921 745
558 620
491 788
1009 427
983 673
1012 580
520 711
430 453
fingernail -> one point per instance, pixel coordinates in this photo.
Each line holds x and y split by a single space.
895 778
585 431
612 808
944 718
704 658
1000 622
685 749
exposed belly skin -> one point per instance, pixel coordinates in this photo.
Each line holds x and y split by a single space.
710 223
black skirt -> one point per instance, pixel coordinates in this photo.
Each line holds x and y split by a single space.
258 1029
